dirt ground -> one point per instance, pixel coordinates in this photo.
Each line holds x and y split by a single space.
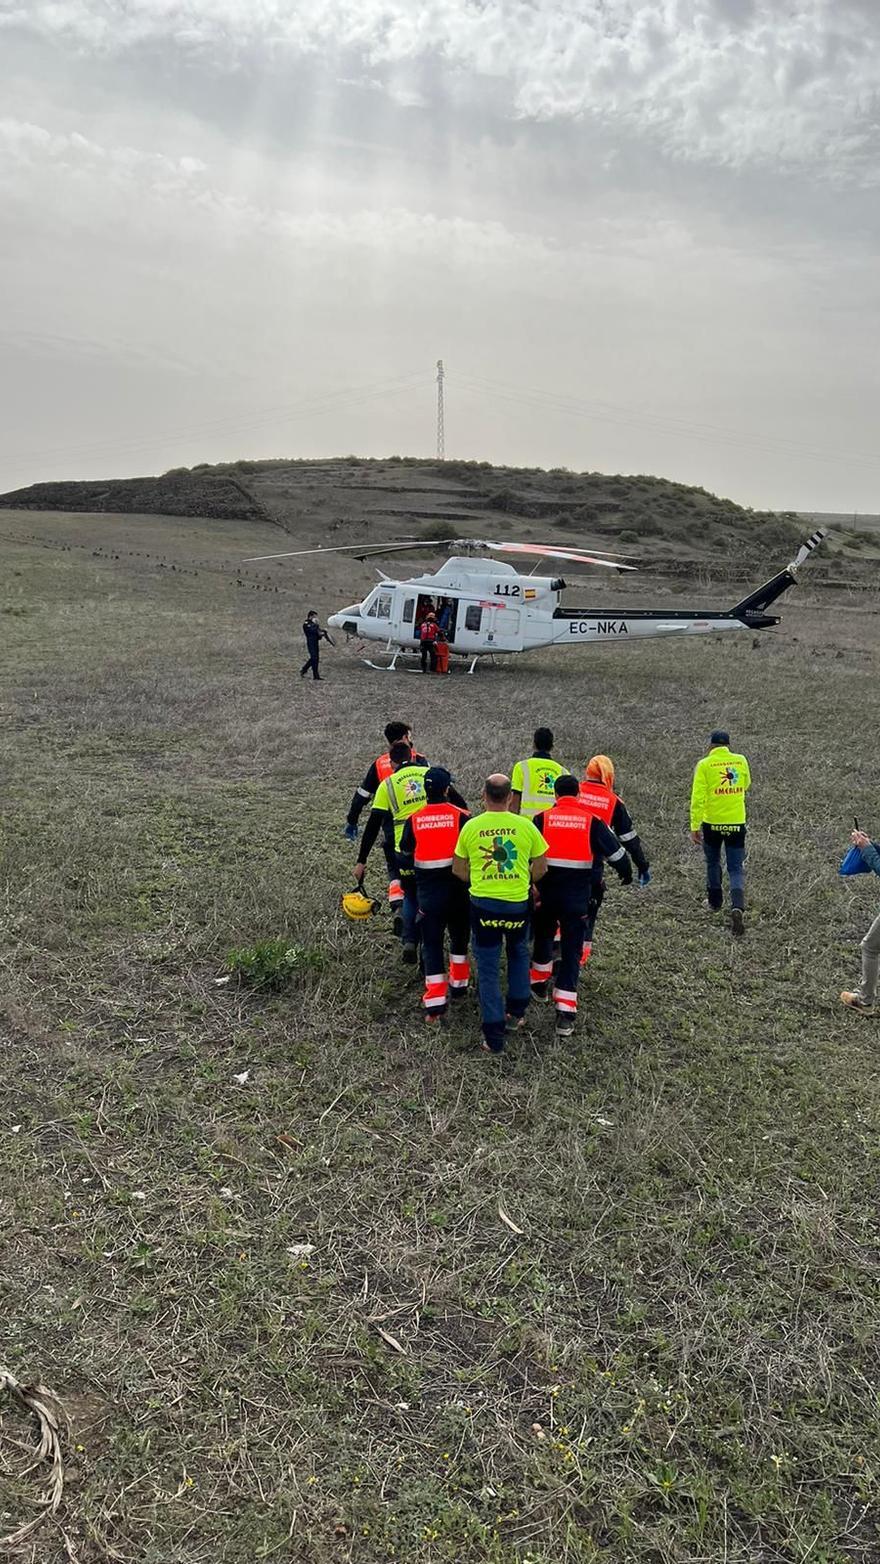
317 1286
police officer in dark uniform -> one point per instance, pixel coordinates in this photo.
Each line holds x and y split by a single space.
314 636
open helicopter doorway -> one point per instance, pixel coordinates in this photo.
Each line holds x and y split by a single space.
417 608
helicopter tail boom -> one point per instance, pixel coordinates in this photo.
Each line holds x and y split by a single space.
752 610
750 613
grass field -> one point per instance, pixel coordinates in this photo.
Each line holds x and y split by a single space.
675 1357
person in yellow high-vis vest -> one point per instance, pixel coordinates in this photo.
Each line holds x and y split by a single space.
397 797
718 822
533 781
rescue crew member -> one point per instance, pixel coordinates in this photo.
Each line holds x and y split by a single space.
718 820
429 632
314 636
532 780
863 997
576 838
398 797
501 855
427 845
597 792
379 770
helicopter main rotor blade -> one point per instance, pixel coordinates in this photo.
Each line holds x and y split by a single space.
534 550
573 556
358 550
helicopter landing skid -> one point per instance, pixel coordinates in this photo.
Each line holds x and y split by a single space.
392 666
381 667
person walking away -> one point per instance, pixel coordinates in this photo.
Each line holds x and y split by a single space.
718 822
398 797
575 839
864 997
427 846
532 780
314 635
363 795
597 793
501 855
429 631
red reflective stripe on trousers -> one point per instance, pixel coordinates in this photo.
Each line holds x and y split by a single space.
587 952
395 891
435 995
563 999
459 971
541 972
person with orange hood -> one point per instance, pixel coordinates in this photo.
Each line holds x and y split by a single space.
597 792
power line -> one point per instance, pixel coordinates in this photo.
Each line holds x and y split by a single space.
623 417
330 402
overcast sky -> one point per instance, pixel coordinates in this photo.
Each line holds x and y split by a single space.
642 234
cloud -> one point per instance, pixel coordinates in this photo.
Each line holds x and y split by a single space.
726 82
70 176
23 144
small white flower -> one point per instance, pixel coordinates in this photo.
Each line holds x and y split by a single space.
245 1076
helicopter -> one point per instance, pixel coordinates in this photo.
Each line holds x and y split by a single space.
486 608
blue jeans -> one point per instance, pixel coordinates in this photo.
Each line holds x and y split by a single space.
493 924
734 848
410 910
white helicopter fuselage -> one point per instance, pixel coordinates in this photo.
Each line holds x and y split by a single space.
490 609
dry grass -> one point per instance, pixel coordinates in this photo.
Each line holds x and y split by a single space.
675 1361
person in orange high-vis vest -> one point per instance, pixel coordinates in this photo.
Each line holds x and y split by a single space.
429 633
427 846
575 840
597 793
379 771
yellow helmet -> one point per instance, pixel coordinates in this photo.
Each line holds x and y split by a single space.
357 906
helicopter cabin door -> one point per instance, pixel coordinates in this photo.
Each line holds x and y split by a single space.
487 627
505 629
408 617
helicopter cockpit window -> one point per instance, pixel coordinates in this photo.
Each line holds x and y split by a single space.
380 607
473 617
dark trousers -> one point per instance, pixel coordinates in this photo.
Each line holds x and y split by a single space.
390 851
311 662
597 896
497 924
429 654
444 906
734 848
566 907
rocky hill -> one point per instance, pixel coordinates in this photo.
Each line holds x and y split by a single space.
350 499
177 493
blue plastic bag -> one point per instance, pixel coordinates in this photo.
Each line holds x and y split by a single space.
853 863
